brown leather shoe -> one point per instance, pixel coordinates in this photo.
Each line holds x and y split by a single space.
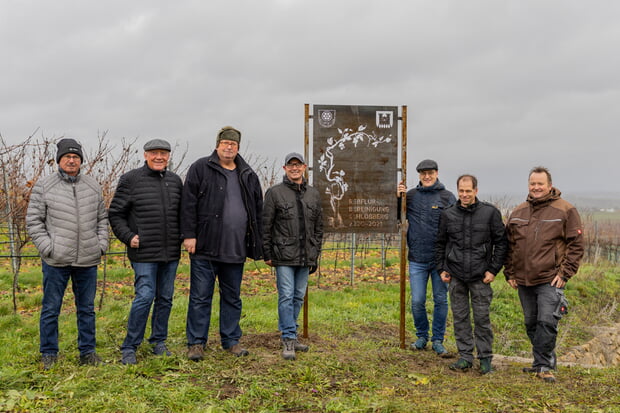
546 376
237 350
196 352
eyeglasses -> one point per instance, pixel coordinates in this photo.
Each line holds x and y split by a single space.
232 144
294 165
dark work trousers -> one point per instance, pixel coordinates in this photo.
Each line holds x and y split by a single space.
479 295
538 303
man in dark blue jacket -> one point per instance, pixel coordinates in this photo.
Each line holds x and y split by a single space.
222 226
424 205
471 249
145 216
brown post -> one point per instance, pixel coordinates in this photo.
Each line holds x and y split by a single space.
306 152
403 229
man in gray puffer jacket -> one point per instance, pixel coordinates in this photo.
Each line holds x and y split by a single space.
292 236
67 222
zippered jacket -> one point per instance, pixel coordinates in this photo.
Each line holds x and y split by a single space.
471 240
424 206
293 224
545 239
67 221
203 199
147 203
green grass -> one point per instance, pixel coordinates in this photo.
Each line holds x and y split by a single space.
354 365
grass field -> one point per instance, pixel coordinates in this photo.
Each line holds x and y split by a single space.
354 364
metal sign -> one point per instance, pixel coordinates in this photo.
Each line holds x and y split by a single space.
355 166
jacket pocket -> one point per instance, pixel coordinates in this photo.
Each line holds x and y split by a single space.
285 249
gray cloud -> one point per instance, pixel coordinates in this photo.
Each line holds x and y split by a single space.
491 87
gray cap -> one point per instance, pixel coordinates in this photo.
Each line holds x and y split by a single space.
426 165
157 144
294 155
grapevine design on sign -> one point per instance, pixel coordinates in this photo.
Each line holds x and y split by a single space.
337 186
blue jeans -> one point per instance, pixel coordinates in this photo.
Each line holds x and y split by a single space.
84 285
538 303
154 281
202 284
419 273
292 282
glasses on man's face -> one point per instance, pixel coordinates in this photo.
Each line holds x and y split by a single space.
294 165
72 157
232 144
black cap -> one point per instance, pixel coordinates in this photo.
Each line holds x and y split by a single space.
294 155
66 146
426 165
157 144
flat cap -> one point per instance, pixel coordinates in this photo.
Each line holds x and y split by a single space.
426 165
157 144
293 155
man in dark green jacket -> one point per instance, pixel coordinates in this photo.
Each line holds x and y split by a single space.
292 236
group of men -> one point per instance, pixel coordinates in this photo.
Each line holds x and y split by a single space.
461 245
219 215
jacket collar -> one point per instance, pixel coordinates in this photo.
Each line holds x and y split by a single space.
553 195
69 178
437 186
293 185
152 171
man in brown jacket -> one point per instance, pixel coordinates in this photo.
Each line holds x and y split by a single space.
545 248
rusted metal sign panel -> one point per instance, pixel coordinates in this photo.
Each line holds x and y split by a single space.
355 166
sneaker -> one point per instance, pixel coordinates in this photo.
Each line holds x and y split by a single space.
420 344
461 364
485 365
439 349
48 360
196 352
300 347
237 350
90 359
129 357
160 349
546 375
288 349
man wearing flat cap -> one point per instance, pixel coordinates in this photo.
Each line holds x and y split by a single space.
424 205
67 222
221 226
292 236
145 216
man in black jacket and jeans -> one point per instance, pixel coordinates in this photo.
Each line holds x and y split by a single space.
145 216
293 232
471 248
222 226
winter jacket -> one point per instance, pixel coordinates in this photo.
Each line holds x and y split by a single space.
67 220
293 224
545 239
203 203
471 241
424 206
147 203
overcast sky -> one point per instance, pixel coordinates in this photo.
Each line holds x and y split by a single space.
492 87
